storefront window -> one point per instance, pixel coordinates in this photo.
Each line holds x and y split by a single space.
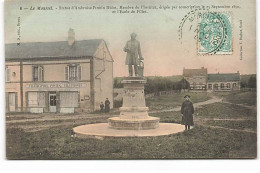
36 99
69 99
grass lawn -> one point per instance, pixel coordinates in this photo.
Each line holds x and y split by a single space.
200 142
247 98
215 110
241 125
56 142
224 110
171 101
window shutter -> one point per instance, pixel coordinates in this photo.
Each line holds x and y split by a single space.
32 73
67 73
8 75
42 73
39 73
79 72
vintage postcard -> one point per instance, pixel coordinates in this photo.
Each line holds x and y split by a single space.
132 79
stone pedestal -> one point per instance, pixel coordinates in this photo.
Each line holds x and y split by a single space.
133 113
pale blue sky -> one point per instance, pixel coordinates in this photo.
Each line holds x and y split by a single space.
157 32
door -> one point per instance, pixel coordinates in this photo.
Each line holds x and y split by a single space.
52 102
11 100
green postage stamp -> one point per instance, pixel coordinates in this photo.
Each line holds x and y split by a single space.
215 33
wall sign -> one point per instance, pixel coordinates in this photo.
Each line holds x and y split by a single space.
57 85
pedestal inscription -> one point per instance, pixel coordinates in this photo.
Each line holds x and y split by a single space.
133 113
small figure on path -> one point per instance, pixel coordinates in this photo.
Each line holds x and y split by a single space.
133 50
187 110
107 105
102 107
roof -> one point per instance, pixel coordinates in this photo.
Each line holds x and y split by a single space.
50 50
224 77
194 72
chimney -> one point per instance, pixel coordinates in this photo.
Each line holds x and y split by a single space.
71 37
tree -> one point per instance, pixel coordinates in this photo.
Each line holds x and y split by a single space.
252 82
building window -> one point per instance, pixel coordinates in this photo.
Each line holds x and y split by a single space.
69 99
228 85
73 72
36 99
194 85
216 86
37 73
234 85
209 86
7 74
222 86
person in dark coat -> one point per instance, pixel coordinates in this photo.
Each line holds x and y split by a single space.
187 110
102 107
107 105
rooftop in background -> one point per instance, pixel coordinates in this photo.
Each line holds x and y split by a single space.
223 77
195 72
60 49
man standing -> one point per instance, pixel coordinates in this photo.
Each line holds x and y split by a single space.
107 105
133 50
187 110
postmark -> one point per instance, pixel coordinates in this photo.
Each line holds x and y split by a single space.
214 33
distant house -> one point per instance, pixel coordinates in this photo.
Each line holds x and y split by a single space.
64 77
223 82
197 78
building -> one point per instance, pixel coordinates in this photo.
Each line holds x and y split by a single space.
197 78
223 82
64 77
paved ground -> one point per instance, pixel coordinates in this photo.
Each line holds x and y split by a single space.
101 130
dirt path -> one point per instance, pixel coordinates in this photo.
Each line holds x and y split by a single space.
50 117
213 99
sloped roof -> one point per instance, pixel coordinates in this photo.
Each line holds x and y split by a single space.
195 72
224 77
35 50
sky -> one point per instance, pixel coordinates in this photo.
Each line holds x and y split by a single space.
163 52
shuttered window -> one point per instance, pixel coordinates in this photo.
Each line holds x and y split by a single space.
68 99
37 73
72 72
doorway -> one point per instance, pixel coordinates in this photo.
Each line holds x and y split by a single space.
52 102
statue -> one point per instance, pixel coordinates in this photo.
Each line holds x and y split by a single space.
134 55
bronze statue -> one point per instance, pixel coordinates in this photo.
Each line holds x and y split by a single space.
134 55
